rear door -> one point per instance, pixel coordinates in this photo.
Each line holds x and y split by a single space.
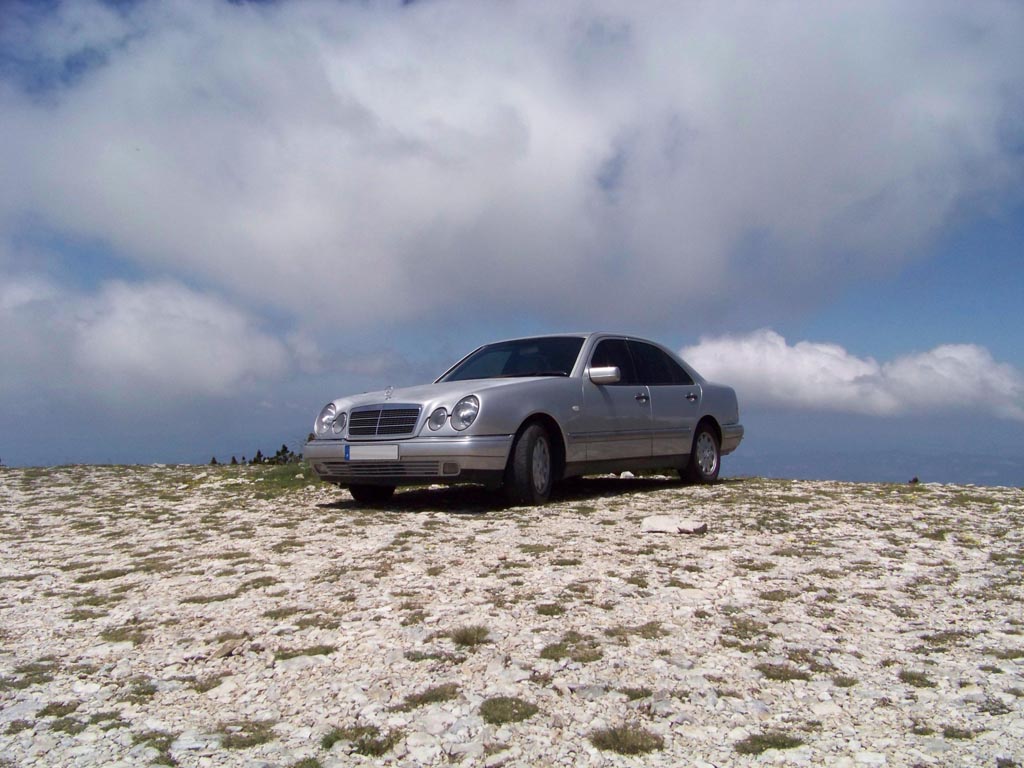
675 399
616 418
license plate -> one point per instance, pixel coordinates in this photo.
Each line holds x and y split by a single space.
371 453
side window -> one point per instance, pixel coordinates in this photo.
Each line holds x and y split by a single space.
615 352
655 367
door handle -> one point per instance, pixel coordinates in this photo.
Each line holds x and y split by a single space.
641 398
691 397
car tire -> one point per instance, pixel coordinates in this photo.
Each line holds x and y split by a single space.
530 473
705 458
371 494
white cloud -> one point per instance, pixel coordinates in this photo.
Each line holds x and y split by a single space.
766 370
130 342
165 339
16 293
358 163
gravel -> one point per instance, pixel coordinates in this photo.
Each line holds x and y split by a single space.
222 616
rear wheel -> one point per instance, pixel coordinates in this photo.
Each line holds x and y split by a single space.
705 458
371 494
530 473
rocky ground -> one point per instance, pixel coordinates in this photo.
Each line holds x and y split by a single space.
205 616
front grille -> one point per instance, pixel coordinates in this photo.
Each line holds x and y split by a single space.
354 470
383 421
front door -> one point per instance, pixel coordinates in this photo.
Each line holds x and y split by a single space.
615 421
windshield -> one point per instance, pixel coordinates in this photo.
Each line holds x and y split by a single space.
546 356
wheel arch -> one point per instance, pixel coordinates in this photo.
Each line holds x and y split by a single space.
709 421
554 430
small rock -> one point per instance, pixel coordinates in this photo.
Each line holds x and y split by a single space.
663 708
672 524
497 759
870 758
299 662
192 740
423 747
228 648
935 746
471 749
738 734
826 708
589 692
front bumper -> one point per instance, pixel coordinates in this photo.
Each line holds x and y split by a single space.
419 460
732 434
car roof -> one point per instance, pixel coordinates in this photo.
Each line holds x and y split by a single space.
576 334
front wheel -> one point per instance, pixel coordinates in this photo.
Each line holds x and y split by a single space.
529 477
371 494
705 458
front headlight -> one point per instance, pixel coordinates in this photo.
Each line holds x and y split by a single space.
437 419
339 423
465 411
325 419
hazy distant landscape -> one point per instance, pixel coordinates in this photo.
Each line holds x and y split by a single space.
882 466
182 615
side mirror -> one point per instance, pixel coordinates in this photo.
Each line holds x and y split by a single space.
608 374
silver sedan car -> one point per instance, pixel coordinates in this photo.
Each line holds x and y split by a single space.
523 414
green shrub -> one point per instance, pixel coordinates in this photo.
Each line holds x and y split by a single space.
626 740
506 709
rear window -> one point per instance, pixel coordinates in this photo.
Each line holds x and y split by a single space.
655 367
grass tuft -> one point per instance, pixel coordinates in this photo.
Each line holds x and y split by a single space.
432 695
160 741
506 709
955 732
313 650
58 709
757 743
242 734
470 635
649 631
634 693
782 672
550 609
366 740
916 679
626 740
579 648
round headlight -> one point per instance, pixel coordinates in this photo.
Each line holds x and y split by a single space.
465 411
339 423
325 419
437 419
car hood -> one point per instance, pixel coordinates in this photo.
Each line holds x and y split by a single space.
443 393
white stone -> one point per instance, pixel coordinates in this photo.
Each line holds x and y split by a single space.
423 747
870 758
826 709
672 524
300 662
470 749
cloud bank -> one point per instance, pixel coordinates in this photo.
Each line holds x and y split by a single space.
767 371
127 343
360 162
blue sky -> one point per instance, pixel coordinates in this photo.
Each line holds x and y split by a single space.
216 216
